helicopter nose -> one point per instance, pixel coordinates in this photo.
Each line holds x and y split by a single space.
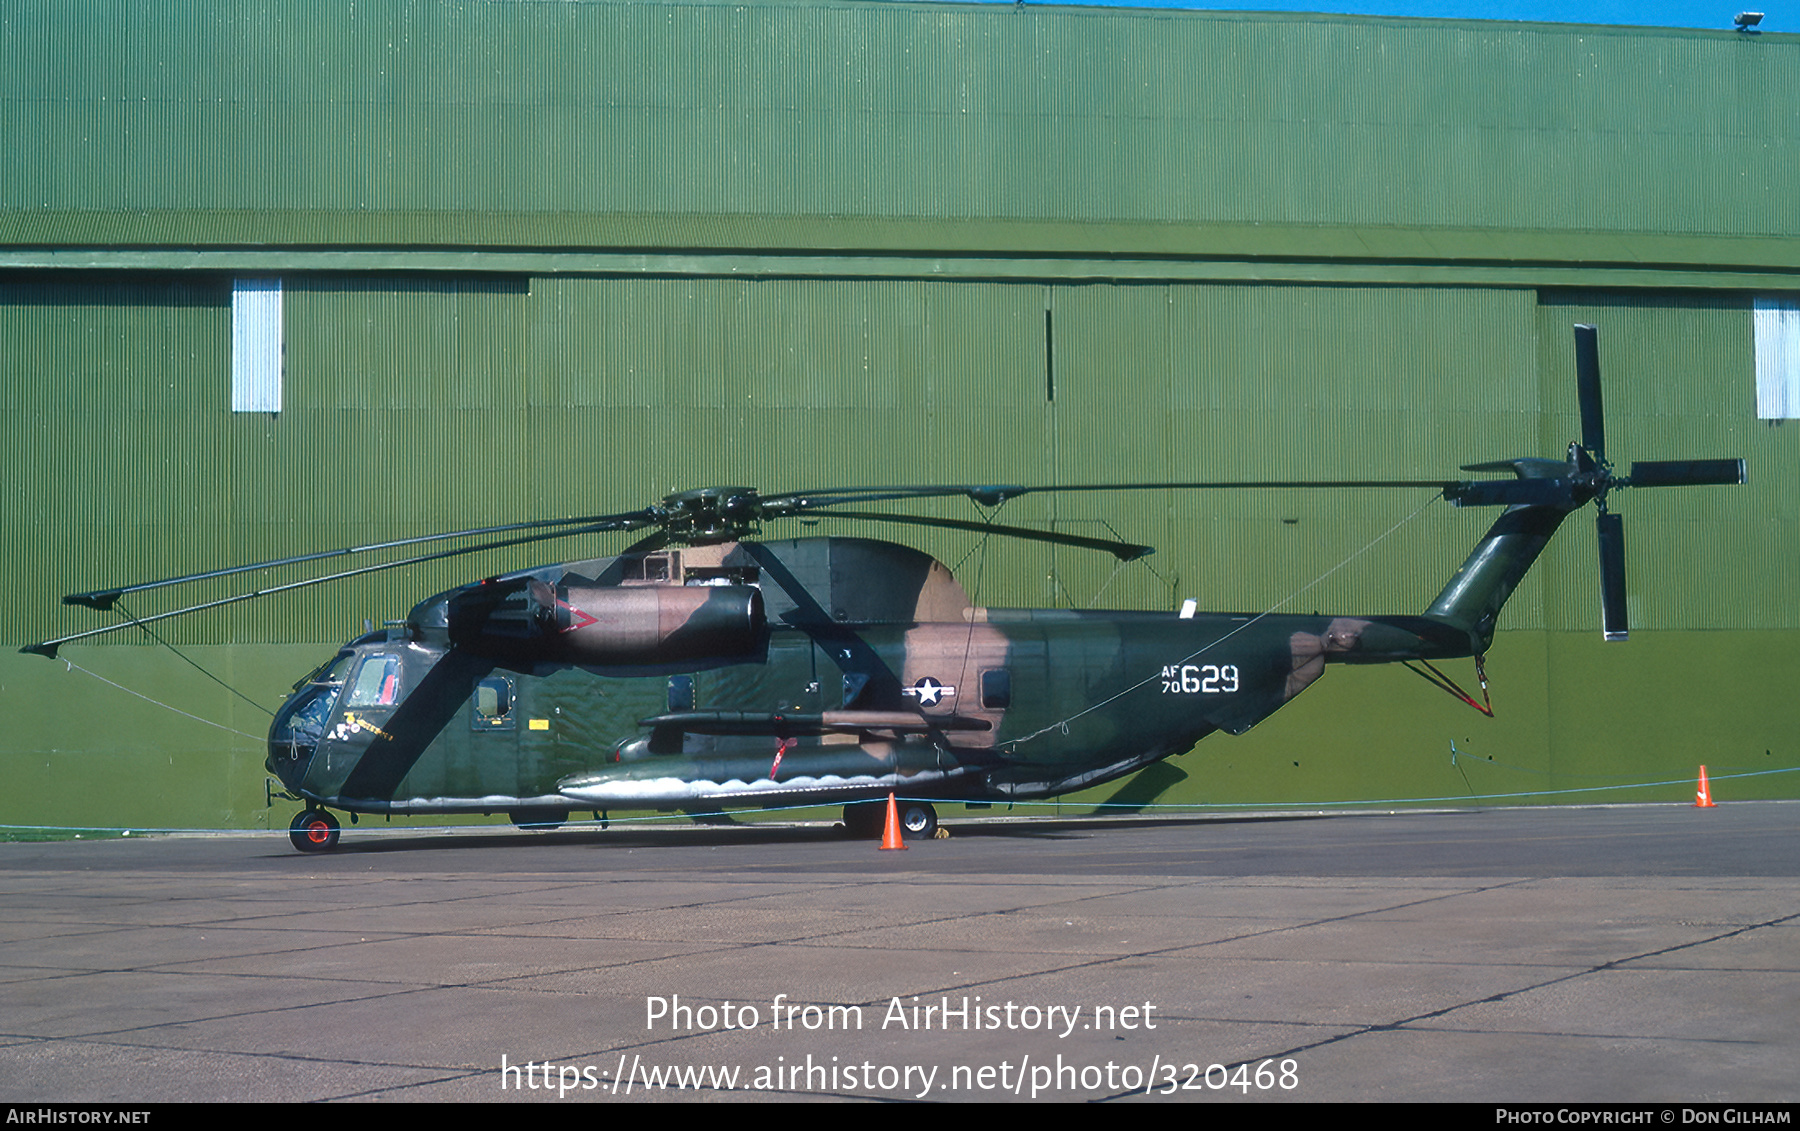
294 734
288 762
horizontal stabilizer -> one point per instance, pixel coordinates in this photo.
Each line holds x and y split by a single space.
1511 493
1536 482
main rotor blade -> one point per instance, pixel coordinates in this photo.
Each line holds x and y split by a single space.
1687 473
103 599
993 494
49 647
1243 485
1587 391
794 502
1124 551
1614 621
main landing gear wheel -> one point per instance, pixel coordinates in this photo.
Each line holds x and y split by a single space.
314 830
538 820
918 821
867 820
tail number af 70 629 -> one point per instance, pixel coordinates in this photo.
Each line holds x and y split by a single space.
1199 679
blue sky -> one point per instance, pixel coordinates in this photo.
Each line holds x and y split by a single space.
1656 13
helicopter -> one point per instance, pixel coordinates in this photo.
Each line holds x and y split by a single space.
705 666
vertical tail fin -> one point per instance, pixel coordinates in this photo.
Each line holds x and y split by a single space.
1488 576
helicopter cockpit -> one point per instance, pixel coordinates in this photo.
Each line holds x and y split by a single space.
373 678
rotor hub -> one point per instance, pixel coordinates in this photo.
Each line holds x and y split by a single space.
711 514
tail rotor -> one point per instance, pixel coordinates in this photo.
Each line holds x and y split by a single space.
1587 475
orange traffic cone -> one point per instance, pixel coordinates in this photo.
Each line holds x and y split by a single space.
1703 799
890 836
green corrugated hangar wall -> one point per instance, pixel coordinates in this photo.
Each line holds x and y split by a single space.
541 260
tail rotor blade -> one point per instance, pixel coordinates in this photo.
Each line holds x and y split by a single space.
1587 391
1688 473
1613 618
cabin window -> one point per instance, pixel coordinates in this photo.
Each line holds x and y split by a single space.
996 689
491 707
681 693
377 683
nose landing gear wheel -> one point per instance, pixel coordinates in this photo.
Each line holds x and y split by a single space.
314 830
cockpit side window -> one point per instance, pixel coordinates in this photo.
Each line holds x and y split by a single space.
377 682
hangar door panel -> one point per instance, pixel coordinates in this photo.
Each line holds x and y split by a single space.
1226 382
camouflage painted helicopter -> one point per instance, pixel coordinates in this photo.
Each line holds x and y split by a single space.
704 668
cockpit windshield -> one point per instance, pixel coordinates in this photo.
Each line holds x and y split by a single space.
300 725
301 721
